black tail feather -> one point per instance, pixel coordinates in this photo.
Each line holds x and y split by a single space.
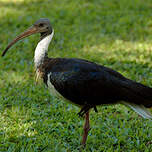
137 93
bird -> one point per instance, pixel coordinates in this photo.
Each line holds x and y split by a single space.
84 83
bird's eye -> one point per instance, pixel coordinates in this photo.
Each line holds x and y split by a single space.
41 25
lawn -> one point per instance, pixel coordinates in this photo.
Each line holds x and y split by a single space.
117 34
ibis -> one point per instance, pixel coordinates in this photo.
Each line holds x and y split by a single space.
82 82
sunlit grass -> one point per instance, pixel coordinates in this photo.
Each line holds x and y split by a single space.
117 34
136 51
13 123
13 77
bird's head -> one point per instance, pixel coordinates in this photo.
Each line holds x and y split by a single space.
41 26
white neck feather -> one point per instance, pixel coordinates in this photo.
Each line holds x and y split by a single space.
42 49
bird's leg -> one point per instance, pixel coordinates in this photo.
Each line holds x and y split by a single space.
86 128
95 109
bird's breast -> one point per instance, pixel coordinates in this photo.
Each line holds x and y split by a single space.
56 93
52 89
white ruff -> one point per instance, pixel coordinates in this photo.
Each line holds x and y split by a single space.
42 49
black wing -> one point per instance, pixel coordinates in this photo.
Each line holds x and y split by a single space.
84 82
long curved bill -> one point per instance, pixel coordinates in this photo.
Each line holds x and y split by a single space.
28 32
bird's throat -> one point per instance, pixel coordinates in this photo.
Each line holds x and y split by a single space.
41 50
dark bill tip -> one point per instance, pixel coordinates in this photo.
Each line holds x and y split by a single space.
4 52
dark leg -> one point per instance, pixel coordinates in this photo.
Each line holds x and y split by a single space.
84 110
86 128
95 109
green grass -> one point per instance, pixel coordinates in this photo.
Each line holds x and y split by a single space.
117 34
